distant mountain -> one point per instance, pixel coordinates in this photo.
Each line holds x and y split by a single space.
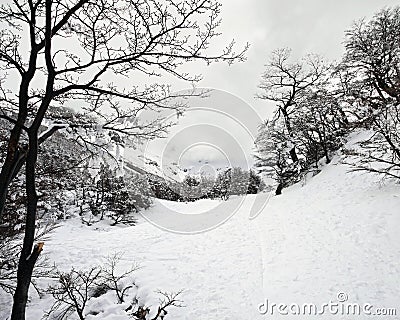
145 163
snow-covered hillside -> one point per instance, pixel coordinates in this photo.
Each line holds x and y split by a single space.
142 161
335 234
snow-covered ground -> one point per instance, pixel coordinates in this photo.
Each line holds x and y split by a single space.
337 233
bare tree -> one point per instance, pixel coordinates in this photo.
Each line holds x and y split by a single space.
77 53
320 125
72 292
271 144
373 53
169 300
113 280
372 66
285 83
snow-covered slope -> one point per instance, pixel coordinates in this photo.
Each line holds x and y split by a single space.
337 233
144 162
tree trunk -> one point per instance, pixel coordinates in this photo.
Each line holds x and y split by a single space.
25 269
292 152
12 165
279 189
28 256
293 155
328 160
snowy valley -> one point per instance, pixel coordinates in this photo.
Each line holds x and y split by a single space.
331 234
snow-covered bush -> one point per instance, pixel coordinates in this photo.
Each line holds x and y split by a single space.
255 184
162 189
117 198
92 291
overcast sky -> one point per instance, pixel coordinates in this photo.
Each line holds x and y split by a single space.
305 26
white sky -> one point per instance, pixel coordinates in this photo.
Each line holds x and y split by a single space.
305 26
